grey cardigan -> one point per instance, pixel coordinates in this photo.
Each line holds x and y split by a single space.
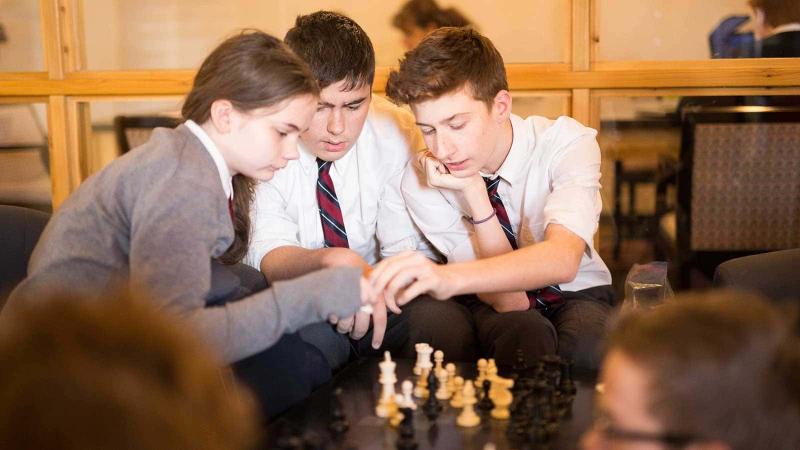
152 221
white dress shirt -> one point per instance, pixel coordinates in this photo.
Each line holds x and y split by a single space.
551 175
367 184
222 167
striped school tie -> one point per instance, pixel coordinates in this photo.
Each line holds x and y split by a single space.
543 298
330 213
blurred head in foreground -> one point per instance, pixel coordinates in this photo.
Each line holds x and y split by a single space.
113 374
708 371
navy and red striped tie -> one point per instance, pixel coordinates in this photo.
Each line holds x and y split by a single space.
543 298
330 213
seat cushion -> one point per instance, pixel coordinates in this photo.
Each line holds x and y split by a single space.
20 229
774 274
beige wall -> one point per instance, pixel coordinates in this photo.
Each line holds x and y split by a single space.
23 51
125 34
660 29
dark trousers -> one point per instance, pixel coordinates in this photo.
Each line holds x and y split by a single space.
423 320
574 330
283 374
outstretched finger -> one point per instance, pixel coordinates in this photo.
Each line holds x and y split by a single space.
360 326
379 320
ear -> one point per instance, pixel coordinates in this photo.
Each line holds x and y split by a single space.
222 112
501 107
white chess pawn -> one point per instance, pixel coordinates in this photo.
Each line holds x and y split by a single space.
421 389
438 358
442 393
420 356
451 378
481 372
468 418
386 405
408 389
458 395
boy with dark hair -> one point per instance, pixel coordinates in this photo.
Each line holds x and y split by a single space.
516 201
339 204
716 371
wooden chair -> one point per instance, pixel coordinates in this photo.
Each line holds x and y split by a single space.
133 131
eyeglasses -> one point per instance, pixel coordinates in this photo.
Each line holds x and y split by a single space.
602 424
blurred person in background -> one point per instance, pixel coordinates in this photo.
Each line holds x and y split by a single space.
417 18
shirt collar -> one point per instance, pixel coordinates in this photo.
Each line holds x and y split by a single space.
309 162
224 174
514 167
794 26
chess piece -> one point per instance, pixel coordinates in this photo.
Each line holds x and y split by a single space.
386 405
501 396
442 393
421 390
424 352
481 372
397 416
420 348
451 378
438 358
491 370
457 401
338 424
406 440
491 363
407 389
567 386
432 408
486 404
467 418
520 365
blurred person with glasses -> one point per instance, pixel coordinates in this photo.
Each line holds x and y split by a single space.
717 371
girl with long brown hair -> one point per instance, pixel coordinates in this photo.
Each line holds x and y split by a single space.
156 218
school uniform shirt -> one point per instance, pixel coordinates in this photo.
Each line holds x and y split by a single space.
550 176
225 176
367 183
151 222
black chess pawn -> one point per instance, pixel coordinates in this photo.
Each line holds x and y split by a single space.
432 407
338 424
486 404
519 418
520 366
567 383
406 440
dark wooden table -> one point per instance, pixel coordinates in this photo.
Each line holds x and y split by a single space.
359 383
